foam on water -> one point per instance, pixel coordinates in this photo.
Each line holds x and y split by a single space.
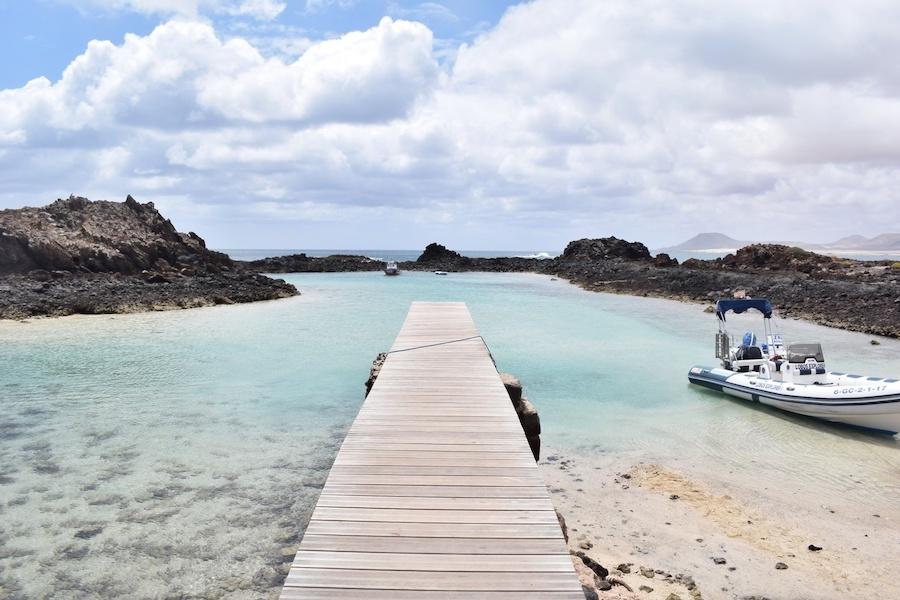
181 452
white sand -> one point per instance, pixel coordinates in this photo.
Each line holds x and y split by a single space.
628 512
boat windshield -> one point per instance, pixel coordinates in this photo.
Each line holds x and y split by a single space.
798 353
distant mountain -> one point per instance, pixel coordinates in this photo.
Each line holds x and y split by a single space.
851 241
707 241
886 242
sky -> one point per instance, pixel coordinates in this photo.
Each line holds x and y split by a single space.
482 125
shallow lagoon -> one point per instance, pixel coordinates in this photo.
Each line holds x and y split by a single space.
181 452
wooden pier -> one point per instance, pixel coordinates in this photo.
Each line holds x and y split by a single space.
434 493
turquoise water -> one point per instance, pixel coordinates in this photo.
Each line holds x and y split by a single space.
181 452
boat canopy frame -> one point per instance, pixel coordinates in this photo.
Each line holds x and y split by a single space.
741 305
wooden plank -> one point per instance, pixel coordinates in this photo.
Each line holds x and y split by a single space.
409 515
434 493
441 530
435 504
447 469
433 580
432 545
435 480
473 491
305 593
388 561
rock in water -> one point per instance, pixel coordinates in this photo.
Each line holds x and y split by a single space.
435 252
528 417
605 249
375 370
513 386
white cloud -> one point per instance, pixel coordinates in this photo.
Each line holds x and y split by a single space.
257 9
313 6
362 76
423 11
648 119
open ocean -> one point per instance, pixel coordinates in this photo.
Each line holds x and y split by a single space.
159 454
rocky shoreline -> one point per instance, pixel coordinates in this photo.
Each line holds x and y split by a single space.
843 293
75 256
60 294
78 256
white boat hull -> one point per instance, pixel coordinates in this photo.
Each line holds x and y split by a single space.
870 402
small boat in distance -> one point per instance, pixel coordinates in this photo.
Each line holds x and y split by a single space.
440 272
391 268
794 378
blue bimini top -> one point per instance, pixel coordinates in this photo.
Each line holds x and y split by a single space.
743 305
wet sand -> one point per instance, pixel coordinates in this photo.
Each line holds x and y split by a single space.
670 523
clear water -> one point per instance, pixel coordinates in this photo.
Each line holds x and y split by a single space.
181 452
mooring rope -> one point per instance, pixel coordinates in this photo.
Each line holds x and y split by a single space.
441 344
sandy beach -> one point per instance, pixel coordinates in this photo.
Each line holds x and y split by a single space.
669 525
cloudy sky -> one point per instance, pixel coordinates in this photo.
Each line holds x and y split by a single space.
484 125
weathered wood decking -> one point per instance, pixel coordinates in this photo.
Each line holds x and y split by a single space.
434 493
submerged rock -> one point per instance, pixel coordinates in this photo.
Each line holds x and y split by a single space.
86 534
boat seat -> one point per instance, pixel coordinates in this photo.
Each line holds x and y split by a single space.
749 353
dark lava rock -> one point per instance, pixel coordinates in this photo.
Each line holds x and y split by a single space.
593 565
664 260
719 560
605 249
813 548
780 566
78 256
562 526
624 568
777 257
301 263
513 387
589 594
77 235
528 417
603 585
375 370
435 252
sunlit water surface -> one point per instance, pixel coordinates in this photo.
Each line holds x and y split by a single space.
161 454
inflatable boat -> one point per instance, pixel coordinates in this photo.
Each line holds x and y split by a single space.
794 377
